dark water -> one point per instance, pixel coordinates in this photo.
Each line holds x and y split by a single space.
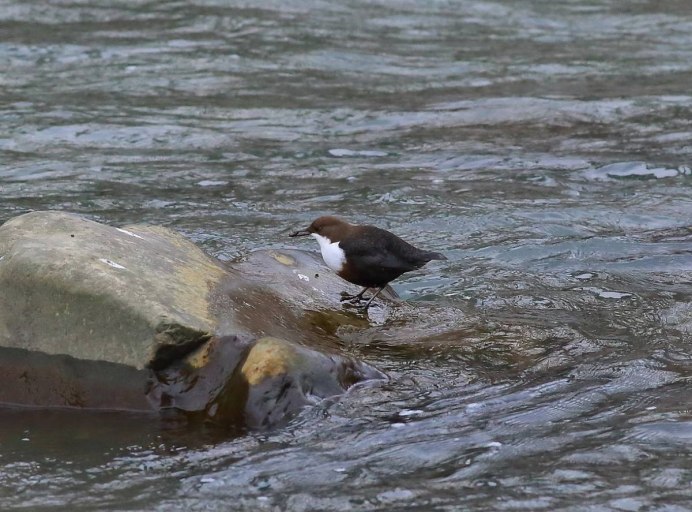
545 147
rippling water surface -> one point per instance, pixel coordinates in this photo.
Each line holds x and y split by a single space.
545 147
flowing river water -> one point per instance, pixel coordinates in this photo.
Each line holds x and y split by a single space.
544 147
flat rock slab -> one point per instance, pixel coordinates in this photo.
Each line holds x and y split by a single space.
287 293
146 299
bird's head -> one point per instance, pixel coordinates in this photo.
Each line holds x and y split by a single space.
327 226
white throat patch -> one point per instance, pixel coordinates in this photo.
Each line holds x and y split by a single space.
332 254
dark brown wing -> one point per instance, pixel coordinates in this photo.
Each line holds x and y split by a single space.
378 256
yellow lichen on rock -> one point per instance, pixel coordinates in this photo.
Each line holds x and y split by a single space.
192 277
269 357
284 259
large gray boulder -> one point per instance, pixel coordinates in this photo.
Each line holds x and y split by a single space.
76 287
88 310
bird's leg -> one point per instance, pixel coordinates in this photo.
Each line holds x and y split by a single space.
373 298
354 298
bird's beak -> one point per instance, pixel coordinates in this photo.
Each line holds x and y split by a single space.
302 232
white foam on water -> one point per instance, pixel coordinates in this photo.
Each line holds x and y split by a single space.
614 295
584 276
211 183
605 294
341 152
410 412
631 170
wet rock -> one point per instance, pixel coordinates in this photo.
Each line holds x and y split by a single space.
301 280
89 314
264 382
37 379
303 296
282 377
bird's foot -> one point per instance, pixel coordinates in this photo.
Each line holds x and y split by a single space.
358 307
356 299
353 299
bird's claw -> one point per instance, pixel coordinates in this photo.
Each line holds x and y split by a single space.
355 299
360 306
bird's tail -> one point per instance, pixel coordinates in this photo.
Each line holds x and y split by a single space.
435 256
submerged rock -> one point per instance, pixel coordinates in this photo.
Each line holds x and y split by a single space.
140 318
265 381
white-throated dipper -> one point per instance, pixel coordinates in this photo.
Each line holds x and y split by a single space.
365 255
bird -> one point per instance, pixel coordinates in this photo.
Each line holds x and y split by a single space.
364 255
